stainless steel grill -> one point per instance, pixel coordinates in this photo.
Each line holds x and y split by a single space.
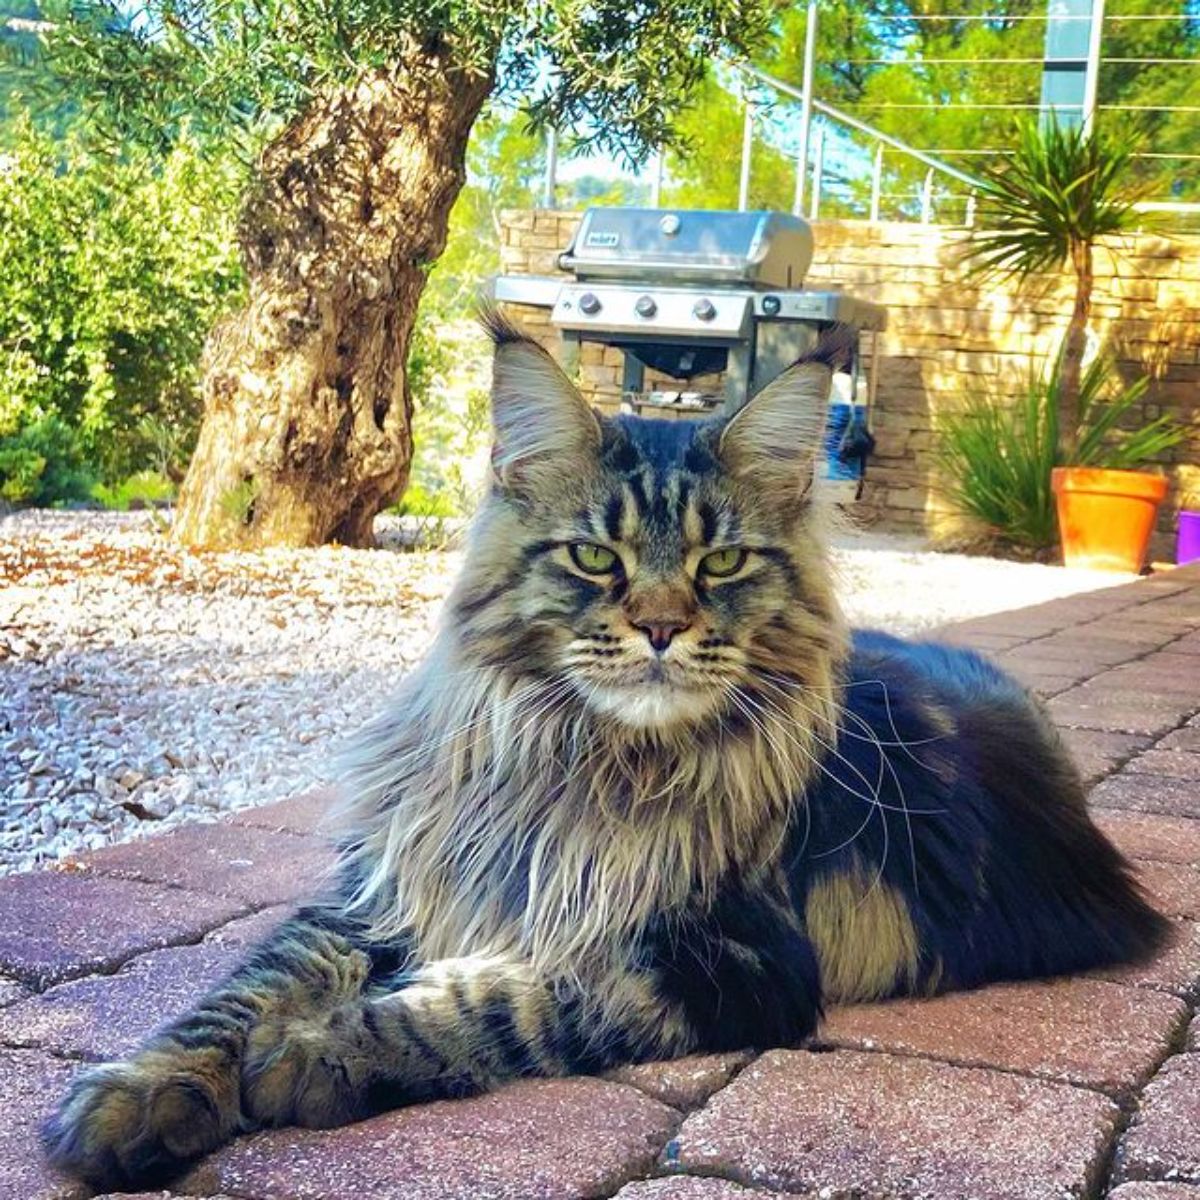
692 294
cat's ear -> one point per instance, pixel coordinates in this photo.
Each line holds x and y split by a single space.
775 441
541 424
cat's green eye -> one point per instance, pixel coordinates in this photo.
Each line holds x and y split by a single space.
723 563
593 559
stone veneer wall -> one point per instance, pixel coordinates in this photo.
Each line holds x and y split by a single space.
948 336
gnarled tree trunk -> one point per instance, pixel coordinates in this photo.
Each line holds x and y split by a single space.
306 406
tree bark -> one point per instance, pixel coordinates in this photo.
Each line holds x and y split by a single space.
306 432
1074 348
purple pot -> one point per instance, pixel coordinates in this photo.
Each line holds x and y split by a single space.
1187 547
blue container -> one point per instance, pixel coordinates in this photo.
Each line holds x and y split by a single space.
847 442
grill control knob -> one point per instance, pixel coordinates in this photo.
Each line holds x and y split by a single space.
669 225
704 309
589 304
645 306
771 306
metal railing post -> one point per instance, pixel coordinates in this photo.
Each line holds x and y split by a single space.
656 182
806 103
844 118
927 198
876 181
1091 78
747 147
550 182
970 220
814 210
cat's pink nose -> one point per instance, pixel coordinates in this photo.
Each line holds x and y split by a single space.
659 633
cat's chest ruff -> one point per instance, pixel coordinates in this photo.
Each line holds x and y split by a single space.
583 875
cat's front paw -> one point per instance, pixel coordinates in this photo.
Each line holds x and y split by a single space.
311 1071
140 1123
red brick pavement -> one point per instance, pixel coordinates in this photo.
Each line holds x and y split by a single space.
1083 1087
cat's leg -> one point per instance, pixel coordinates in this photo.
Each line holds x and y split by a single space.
142 1120
455 1027
741 973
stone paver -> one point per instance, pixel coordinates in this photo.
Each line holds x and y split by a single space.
245 932
1023 624
1148 794
1045 678
1171 763
1155 1191
306 813
686 1083
1174 969
977 639
1098 752
1079 1031
1089 707
689 1187
242 862
11 991
535 1140
1173 888
1186 738
55 925
1150 836
1163 1140
30 1083
108 1016
879 1125
1075 653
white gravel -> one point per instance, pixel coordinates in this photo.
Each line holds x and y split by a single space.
142 686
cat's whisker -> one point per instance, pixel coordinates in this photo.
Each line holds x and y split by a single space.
884 762
870 736
873 801
900 743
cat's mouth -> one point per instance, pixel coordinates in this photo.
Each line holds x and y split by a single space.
652 695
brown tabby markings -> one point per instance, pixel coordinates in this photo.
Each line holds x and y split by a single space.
527 805
578 836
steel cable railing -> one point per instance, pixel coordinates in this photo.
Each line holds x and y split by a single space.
846 140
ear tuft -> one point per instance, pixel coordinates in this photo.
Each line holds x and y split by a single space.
542 425
776 439
498 327
835 348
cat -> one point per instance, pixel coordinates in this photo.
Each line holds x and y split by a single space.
646 796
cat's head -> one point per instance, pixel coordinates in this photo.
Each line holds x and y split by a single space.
657 569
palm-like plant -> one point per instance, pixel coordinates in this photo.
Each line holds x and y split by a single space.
998 455
1045 208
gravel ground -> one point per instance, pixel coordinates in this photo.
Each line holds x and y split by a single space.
142 686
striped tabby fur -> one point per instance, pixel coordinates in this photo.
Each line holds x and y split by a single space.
645 796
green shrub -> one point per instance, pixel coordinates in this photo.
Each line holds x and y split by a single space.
112 270
997 454
143 489
44 464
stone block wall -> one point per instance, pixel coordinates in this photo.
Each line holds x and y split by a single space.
949 336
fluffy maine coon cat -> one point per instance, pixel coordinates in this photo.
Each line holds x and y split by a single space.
645 796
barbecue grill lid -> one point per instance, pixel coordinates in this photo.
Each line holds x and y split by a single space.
767 249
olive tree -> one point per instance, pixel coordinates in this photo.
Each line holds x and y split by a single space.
358 113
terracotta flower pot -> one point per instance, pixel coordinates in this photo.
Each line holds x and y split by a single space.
1105 517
